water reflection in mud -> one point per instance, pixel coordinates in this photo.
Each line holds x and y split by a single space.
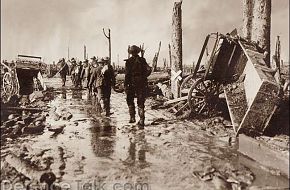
103 138
137 151
63 93
77 94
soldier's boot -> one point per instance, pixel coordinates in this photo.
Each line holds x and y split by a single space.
63 82
132 114
141 113
107 107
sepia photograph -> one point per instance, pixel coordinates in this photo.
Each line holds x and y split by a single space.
144 95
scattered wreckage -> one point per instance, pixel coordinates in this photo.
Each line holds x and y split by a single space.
21 77
236 68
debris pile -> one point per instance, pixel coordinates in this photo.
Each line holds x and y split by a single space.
228 177
26 114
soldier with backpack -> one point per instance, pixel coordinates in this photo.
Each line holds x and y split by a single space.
136 72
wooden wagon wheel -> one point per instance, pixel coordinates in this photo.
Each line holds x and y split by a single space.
189 81
8 86
203 96
186 84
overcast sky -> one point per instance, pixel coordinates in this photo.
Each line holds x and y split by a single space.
47 27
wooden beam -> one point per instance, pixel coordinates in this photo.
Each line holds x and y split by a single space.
263 154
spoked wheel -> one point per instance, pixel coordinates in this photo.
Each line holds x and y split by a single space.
8 86
188 82
203 96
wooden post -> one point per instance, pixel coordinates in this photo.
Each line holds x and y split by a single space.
85 52
247 18
67 53
261 28
176 67
164 64
155 59
276 62
108 36
170 58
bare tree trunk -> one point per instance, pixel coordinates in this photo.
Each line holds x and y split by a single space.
155 59
262 26
108 36
276 61
176 48
170 57
247 18
85 52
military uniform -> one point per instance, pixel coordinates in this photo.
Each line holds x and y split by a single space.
136 84
103 78
78 71
92 66
64 71
72 70
85 73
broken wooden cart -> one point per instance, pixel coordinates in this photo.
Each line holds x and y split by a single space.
21 77
236 67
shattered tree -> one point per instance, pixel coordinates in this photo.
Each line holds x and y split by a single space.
176 50
247 18
257 23
155 59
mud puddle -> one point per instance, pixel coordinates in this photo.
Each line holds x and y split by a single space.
82 148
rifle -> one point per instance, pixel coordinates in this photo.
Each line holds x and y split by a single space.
142 50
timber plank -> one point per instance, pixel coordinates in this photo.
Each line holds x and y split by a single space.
264 155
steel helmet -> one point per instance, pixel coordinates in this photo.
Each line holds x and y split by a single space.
134 49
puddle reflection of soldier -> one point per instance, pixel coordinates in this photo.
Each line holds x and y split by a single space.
63 93
103 142
136 73
76 94
64 70
137 146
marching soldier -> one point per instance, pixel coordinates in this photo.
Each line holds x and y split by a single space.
72 70
78 71
64 70
85 73
109 81
103 79
92 78
136 72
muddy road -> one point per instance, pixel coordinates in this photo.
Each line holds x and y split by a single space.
81 149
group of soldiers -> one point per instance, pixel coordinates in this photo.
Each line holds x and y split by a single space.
99 78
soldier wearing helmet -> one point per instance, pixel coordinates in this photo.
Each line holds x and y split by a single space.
136 73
